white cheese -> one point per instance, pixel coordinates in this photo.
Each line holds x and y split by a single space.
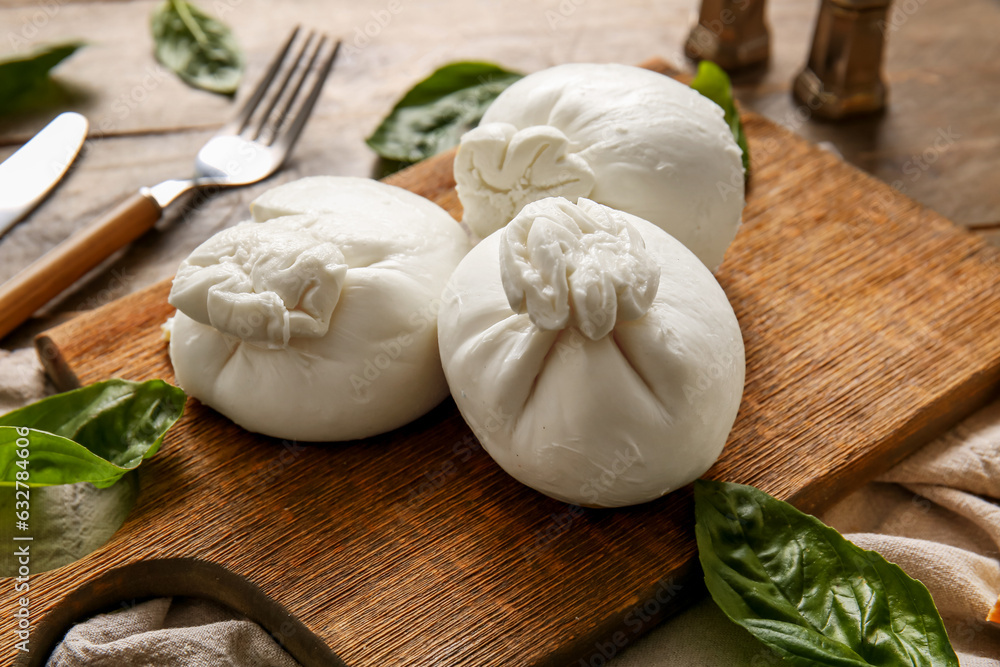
623 136
576 265
594 356
318 324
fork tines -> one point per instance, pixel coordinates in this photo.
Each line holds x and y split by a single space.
270 107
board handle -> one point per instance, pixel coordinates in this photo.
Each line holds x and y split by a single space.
48 276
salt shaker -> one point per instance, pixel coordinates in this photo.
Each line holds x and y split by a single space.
843 76
730 33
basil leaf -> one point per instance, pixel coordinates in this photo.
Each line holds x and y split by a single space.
93 434
712 82
198 47
436 112
805 591
24 80
53 460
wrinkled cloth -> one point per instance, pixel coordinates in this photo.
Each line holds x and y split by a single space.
22 379
169 632
936 515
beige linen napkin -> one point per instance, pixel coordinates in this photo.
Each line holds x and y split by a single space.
22 379
169 632
936 515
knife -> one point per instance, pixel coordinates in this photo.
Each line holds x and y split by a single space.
30 173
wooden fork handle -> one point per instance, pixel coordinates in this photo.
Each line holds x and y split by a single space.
69 261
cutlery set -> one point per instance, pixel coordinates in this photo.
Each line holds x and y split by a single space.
246 150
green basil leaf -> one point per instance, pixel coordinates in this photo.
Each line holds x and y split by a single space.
52 460
93 434
712 82
24 79
805 591
199 48
435 113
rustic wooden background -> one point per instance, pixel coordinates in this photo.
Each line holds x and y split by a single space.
942 65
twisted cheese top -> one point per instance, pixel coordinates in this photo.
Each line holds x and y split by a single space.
581 265
263 283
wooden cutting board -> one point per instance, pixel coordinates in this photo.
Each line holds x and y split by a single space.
870 322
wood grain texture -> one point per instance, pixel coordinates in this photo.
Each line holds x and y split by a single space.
868 328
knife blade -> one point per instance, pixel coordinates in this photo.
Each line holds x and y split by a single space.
31 172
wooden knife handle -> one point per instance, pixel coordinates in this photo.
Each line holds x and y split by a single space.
69 261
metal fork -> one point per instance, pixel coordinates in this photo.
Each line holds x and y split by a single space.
246 150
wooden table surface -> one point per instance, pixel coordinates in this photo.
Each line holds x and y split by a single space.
938 142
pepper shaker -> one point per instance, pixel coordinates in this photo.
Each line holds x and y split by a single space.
730 33
843 76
